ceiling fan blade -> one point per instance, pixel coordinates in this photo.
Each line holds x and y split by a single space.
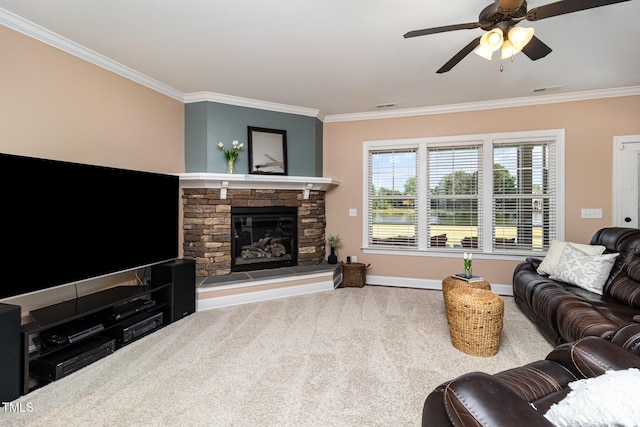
426 31
566 6
536 49
459 56
509 6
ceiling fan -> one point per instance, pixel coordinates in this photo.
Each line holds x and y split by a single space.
500 20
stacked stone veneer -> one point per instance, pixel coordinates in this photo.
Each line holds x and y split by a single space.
207 224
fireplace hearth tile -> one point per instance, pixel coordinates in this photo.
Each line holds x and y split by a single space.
248 276
306 269
222 280
273 272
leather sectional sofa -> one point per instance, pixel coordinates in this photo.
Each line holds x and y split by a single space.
521 396
593 333
565 313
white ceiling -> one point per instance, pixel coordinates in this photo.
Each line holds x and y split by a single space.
341 57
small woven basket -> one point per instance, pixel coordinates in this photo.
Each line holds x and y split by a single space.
354 275
475 320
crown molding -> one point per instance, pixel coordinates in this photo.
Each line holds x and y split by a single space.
486 105
250 103
28 28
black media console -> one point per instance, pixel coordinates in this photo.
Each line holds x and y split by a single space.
64 337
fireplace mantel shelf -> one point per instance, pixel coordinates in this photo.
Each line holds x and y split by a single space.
225 181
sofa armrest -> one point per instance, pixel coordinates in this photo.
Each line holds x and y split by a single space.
479 399
535 262
593 356
434 414
530 264
621 240
628 337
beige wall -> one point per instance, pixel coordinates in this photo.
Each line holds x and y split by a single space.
56 106
589 125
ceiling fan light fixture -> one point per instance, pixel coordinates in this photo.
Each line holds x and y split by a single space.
507 50
492 40
519 37
486 54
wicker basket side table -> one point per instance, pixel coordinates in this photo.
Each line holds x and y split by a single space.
475 320
354 275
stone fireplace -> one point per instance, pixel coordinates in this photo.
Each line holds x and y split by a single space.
214 213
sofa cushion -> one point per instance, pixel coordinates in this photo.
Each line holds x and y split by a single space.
633 269
578 268
548 264
627 292
607 400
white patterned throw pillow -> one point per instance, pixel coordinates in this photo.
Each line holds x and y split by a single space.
611 399
587 271
550 261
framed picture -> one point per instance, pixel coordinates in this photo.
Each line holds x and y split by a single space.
267 151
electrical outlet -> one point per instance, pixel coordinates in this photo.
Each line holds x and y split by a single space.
591 213
353 212
354 258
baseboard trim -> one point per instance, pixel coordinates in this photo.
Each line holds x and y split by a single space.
326 283
408 282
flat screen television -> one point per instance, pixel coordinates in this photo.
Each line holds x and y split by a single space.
65 222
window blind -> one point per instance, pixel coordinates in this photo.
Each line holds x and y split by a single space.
524 183
454 175
392 198
490 193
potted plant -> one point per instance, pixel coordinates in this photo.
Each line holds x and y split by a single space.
334 242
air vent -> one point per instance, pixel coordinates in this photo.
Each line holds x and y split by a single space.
387 105
546 89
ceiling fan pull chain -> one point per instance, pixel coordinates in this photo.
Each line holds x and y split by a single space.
501 67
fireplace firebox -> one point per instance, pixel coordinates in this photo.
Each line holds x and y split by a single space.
263 237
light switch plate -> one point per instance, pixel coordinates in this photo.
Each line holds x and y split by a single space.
353 212
591 213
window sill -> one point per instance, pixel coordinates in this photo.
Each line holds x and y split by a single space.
451 253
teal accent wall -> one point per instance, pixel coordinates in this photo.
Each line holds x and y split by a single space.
195 125
208 123
318 147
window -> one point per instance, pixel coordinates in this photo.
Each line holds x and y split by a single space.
498 193
454 193
392 196
524 203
